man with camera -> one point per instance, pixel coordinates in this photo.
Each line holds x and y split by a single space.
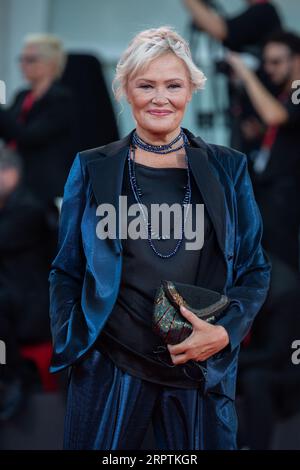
245 33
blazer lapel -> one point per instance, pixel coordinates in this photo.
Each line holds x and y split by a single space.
209 187
106 174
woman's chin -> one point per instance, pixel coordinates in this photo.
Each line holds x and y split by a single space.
159 127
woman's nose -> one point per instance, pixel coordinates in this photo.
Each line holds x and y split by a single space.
159 98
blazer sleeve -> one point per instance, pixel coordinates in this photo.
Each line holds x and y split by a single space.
252 267
67 270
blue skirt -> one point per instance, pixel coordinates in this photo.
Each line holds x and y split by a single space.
109 409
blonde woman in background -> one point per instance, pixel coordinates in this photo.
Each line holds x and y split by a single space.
41 124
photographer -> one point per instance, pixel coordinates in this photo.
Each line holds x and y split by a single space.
243 33
276 168
250 28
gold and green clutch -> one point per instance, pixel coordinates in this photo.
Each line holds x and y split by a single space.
169 323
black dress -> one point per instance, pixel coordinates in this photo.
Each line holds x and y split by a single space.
127 338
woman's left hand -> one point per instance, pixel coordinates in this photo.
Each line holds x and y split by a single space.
205 340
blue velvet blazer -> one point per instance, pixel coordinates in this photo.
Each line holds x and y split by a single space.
85 275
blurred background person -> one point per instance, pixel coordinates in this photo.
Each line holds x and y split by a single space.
276 166
245 31
268 380
42 122
23 280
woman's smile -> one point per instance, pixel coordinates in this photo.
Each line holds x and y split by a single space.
160 112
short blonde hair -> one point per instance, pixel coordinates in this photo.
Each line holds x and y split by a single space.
148 45
50 47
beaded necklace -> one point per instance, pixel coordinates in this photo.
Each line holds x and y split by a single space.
161 149
137 192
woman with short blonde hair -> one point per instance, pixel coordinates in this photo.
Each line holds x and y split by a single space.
131 367
147 46
49 49
42 121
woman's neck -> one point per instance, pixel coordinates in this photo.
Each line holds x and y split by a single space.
157 138
40 87
174 159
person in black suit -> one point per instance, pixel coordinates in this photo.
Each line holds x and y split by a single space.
42 121
23 278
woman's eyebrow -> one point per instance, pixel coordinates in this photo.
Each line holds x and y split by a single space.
153 81
145 80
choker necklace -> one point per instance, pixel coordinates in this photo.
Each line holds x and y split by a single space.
161 149
138 193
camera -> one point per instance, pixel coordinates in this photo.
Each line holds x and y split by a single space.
221 66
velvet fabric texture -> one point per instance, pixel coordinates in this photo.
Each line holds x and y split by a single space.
109 409
85 275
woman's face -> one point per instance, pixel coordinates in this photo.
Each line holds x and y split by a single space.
34 66
159 94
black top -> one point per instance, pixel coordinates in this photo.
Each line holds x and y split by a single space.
127 337
251 28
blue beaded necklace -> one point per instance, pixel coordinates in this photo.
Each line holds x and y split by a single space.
161 149
137 192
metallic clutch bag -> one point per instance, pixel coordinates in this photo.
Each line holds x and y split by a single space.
169 323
